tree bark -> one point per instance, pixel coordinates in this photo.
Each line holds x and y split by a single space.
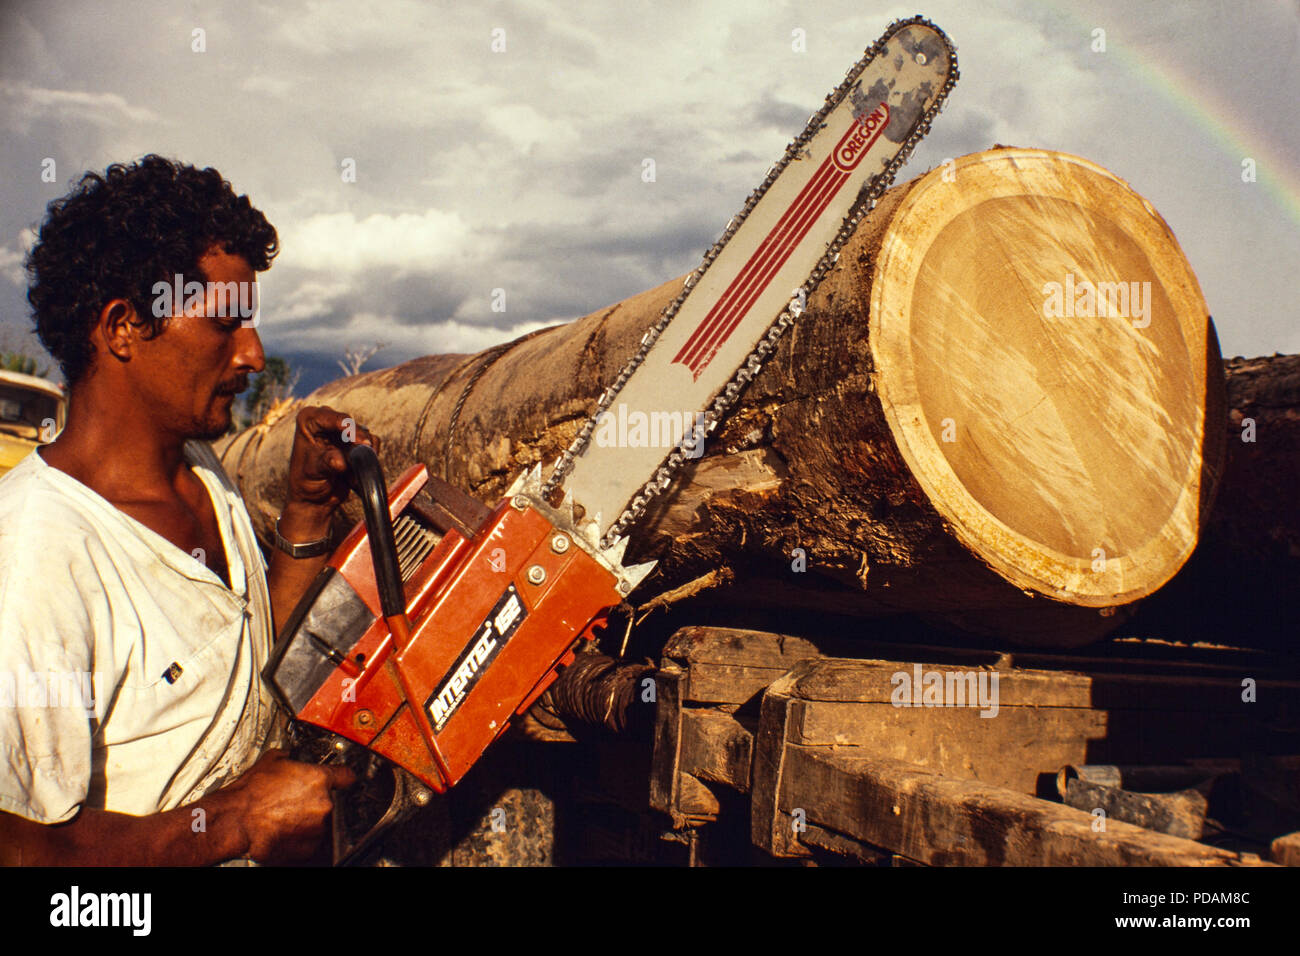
1242 585
927 437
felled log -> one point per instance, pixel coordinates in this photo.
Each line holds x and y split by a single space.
993 408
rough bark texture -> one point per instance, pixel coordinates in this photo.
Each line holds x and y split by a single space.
1242 586
803 474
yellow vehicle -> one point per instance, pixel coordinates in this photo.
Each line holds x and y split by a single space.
32 411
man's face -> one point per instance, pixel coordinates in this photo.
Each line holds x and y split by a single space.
189 375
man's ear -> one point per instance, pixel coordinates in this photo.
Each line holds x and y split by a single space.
119 328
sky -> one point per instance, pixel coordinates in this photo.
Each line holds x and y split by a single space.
446 176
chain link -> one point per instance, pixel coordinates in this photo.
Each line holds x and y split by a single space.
866 201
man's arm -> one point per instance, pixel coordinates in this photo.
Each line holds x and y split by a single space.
274 813
287 578
317 485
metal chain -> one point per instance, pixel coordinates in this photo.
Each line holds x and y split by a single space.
865 202
486 360
489 359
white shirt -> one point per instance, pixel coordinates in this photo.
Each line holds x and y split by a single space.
178 704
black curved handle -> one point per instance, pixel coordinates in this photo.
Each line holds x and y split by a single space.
369 477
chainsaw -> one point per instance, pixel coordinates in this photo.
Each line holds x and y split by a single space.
438 621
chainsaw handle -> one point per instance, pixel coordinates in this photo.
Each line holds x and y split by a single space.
409 795
369 478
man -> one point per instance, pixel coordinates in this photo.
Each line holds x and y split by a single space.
126 552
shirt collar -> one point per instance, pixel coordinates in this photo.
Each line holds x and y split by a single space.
169 554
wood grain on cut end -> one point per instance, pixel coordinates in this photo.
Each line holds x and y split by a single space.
1040 346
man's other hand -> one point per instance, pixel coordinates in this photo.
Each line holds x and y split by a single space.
277 812
285 806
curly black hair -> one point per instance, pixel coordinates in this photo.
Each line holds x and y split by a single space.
115 236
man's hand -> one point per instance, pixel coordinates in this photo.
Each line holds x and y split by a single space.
317 465
318 484
276 812
284 806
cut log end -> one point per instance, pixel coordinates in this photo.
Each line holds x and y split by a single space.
1040 350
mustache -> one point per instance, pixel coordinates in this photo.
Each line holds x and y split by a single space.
233 388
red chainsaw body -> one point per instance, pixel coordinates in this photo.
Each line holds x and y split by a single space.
492 618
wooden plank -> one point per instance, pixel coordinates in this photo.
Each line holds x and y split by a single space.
943 821
695 801
714 683
716 747
1009 750
674 790
882 681
876 681
664 786
771 830
726 645
838 843
1013 748
729 665
732 665
1042 720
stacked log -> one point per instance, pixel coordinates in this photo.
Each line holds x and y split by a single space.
993 410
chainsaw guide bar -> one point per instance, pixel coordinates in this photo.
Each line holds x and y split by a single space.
757 278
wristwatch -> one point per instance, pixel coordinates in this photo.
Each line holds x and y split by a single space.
308 549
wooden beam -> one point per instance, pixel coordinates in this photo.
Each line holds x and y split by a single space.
772 829
664 774
732 665
1042 720
716 747
846 782
944 821
1109 710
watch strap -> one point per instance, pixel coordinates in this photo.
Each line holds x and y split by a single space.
308 549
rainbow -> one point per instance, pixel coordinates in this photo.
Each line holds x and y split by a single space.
1275 170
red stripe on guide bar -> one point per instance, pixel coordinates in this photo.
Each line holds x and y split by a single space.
781 241
758 274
